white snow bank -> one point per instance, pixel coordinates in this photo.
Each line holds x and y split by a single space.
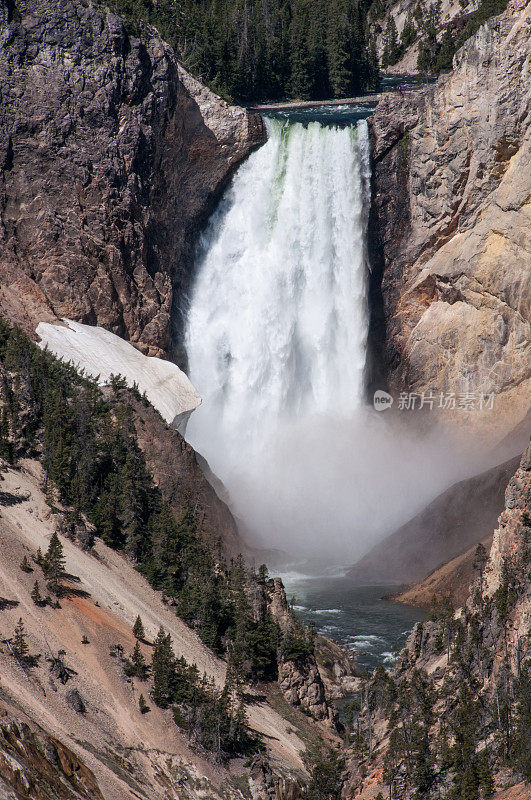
101 353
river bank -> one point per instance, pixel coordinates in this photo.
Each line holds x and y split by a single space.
389 83
295 104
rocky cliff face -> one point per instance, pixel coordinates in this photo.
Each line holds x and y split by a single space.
505 622
181 480
450 226
451 581
303 687
111 157
300 679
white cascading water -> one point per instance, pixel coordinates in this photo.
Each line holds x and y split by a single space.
278 323
276 341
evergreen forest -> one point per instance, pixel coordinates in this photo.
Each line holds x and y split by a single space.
256 50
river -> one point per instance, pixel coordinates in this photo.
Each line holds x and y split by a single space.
357 617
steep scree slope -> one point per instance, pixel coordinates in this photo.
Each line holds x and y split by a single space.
130 753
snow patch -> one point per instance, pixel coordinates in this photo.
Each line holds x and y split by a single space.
101 354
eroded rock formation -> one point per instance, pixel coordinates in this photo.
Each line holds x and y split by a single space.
111 157
36 766
302 685
299 679
450 226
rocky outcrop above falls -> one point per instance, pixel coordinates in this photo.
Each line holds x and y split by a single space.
111 157
450 226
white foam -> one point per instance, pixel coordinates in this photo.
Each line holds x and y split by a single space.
389 658
101 354
364 642
327 611
328 629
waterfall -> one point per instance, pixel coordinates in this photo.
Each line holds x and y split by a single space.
277 325
278 322
276 341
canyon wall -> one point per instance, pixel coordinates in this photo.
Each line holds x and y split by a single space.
111 158
450 227
474 658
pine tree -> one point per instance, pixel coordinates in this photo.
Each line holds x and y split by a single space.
142 705
409 32
521 746
163 669
54 564
262 576
339 43
131 504
446 51
138 628
317 51
25 566
301 77
138 662
465 726
374 65
428 49
36 594
106 513
391 51
19 643
326 778
239 726
393 758
485 777
263 642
